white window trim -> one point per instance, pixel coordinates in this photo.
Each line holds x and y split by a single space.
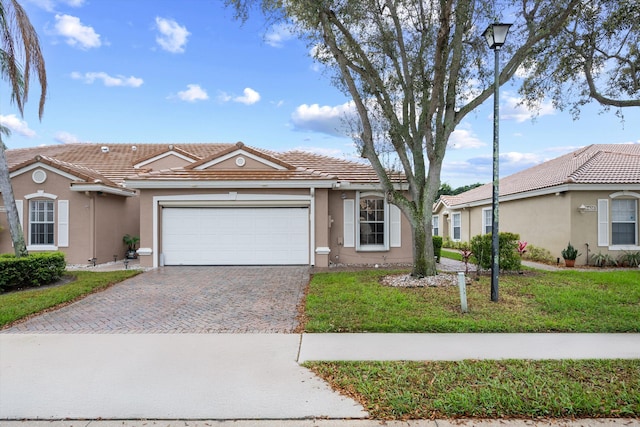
635 233
387 223
604 222
453 215
35 247
435 219
484 217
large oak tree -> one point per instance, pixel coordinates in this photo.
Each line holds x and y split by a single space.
415 68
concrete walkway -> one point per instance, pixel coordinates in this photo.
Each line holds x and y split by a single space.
235 376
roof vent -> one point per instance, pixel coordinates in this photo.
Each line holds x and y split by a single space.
134 148
104 149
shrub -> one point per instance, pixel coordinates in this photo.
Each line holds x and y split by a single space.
33 270
437 247
570 252
603 260
630 259
537 254
508 254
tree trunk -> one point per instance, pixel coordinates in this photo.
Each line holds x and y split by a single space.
424 262
15 228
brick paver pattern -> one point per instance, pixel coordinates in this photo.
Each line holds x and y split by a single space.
185 300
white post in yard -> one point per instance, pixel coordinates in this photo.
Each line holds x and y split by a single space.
463 292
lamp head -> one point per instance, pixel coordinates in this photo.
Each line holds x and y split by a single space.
496 35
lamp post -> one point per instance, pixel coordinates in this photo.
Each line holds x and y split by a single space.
496 35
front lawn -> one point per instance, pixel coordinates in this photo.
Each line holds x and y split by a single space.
20 304
563 301
489 389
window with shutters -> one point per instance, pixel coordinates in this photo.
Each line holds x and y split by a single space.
41 222
624 222
487 220
371 223
456 226
435 223
618 221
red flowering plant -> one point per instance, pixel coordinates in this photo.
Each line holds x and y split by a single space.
521 248
466 253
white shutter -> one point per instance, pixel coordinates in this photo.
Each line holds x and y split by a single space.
19 207
349 223
63 223
603 222
395 220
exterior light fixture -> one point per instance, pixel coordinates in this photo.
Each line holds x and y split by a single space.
496 35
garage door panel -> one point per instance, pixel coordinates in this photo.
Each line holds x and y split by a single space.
235 236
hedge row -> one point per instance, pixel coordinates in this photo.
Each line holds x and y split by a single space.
33 270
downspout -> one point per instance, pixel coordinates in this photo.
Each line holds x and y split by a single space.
92 223
312 227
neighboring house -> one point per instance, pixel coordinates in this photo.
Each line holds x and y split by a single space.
588 197
203 204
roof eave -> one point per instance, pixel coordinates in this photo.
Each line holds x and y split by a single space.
179 183
81 187
557 189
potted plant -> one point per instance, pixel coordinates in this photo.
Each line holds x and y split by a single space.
131 242
570 254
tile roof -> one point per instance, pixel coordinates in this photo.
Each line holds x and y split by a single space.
593 164
89 162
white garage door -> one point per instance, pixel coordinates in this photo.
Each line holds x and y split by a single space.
235 236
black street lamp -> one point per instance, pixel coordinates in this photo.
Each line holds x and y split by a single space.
496 35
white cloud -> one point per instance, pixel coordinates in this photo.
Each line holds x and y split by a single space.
77 34
512 109
224 97
15 124
462 138
324 119
323 151
278 35
108 80
66 138
193 93
50 5
250 97
173 36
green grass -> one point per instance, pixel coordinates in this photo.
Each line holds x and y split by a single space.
18 305
451 254
489 389
563 301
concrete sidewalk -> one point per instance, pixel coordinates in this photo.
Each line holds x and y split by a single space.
603 422
492 346
236 376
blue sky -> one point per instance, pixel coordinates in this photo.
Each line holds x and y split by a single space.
166 71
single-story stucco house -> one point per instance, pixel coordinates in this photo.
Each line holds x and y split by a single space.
203 204
587 197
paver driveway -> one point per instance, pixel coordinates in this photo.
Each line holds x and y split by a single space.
185 300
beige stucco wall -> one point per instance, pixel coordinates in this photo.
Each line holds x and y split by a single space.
549 221
115 217
250 164
341 255
327 233
167 162
85 241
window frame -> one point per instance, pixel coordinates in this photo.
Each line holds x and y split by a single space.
34 203
453 226
616 201
605 221
487 213
435 225
386 223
